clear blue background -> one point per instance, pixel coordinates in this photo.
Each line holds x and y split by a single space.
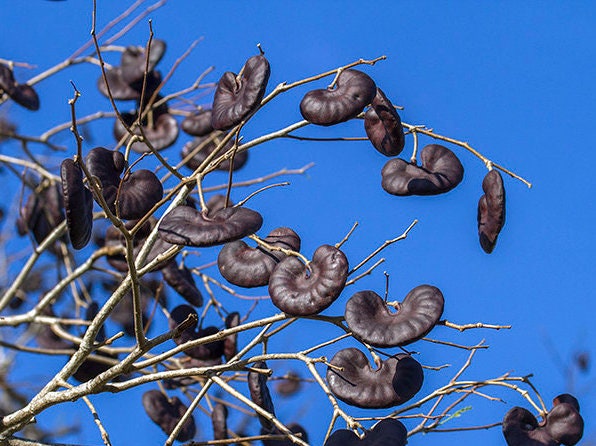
514 79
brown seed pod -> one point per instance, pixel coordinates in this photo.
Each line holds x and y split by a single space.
249 267
22 94
386 432
197 124
42 212
237 96
107 166
491 210
354 90
182 281
440 172
219 420
160 130
211 350
259 393
297 292
383 126
139 192
119 89
166 413
187 226
396 380
217 202
78 203
133 61
231 341
371 321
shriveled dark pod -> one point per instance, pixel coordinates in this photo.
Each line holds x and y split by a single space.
190 227
181 279
211 350
22 94
289 384
249 267
298 292
386 432
396 380
231 341
564 423
166 413
197 159
371 321
237 96
178 315
133 61
160 129
219 420
354 90
197 124
440 172
520 428
295 428
139 192
259 393
491 210
78 203
107 166
383 126
43 211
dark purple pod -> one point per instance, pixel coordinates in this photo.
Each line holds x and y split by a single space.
198 158
396 380
197 124
564 423
259 393
298 292
118 87
371 321
187 226
440 172
78 203
215 203
520 428
107 166
386 432
22 94
139 192
182 281
219 420
237 96
383 126
289 384
354 90
231 341
133 61
160 129
179 315
43 211
249 267
166 413
491 210
211 350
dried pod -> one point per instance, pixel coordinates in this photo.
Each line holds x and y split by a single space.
134 61
166 413
22 94
42 212
160 130
371 321
289 384
386 432
219 420
207 145
520 428
491 210
187 226
119 89
139 192
231 341
383 126
208 351
564 423
107 166
440 172
217 202
182 281
298 292
78 202
396 380
197 124
259 393
249 267
354 90
237 96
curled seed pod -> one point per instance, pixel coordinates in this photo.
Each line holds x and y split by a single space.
383 126
208 145
133 62
520 428
219 420
249 267
491 210
139 192
289 385
295 428
259 393
107 166
217 202
119 89
297 292
22 94
371 321
187 226
564 423
231 341
166 413
211 350
354 90
182 281
440 172
386 432
237 96
78 202
396 380
160 130
198 124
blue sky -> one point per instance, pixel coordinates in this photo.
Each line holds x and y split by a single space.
514 79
